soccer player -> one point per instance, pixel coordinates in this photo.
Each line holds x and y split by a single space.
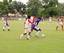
35 25
47 27
27 25
59 23
50 19
5 23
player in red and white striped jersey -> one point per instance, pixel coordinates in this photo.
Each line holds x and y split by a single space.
27 26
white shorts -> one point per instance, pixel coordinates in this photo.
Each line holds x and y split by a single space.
60 23
27 28
37 27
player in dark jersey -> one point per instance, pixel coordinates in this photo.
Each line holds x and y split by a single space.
35 25
5 23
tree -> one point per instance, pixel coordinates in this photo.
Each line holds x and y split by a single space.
33 7
9 6
18 6
61 9
50 7
10 1
4 7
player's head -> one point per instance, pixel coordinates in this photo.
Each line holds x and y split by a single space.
28 17
33 16
39 18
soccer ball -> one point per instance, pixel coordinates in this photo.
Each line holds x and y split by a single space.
43 35
21 36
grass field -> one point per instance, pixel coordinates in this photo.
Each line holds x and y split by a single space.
52 43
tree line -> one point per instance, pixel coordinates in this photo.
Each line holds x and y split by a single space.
33 7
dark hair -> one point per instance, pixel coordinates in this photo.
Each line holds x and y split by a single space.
28 17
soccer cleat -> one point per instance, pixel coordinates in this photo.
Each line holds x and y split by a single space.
3 30
28 37
8 29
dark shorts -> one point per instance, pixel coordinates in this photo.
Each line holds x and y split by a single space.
36 28
7 24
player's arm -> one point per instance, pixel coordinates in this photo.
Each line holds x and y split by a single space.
30 21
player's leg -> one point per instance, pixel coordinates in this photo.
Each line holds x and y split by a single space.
28 36
4 27
62 27
38 31
24 34
56 27
28 33
8 28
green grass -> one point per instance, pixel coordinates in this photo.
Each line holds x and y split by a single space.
53 43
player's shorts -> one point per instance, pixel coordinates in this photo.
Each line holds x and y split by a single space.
60 23
27 28
6 24
36 28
